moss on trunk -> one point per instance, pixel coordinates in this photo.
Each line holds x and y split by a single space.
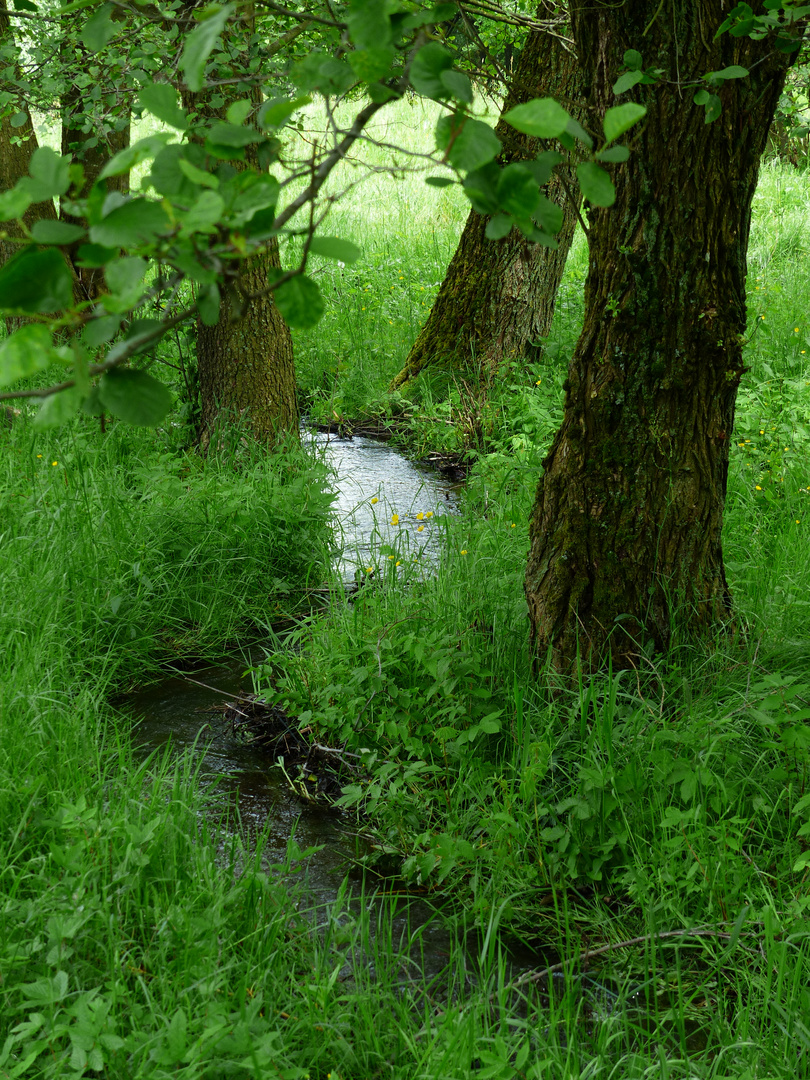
626 528
497 298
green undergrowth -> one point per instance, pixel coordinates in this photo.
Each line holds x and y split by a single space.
638 804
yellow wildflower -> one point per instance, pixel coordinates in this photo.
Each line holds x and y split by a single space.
420 516
759 488
429 514
374 500
463 551
54 463
421 528
395 519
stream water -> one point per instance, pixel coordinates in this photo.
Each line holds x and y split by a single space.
373 483
381 501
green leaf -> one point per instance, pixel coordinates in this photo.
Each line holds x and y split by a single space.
458 84
58 408
24 353
19 119
138 221
714 107
733 72
596 185
331 247
543 118
101 330
14 203
239 111
323 72
626 81
549 215
469 144
49 175
124 279
160 99
260 192
369 24
614 154
205 214
541 167
231 135
426 70
195 175
134 396
99 29
208 304
35 282
277 111
439 181
300 302
371 65
621 119
133 155
576 129
632 59
498 227
481 188
199 46
46 231
518 192
94 255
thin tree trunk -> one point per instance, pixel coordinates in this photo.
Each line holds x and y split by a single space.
17 146
91 140
625 531
497 298
245 362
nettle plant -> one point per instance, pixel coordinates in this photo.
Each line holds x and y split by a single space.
219 186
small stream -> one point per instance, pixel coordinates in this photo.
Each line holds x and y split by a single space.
373 484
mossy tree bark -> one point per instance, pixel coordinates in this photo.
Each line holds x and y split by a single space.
497 298
626 528
245 365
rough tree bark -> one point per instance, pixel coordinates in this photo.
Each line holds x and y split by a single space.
625 531
91 140
17 145
497 298
245 364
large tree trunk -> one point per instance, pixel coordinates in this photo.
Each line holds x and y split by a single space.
245 362
497 299
625 531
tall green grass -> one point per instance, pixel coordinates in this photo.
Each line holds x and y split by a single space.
139 939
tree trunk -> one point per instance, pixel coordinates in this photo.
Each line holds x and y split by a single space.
497 298
625 531
17 145
245 363
91 138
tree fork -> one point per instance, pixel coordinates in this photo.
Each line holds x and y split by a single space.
626 528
